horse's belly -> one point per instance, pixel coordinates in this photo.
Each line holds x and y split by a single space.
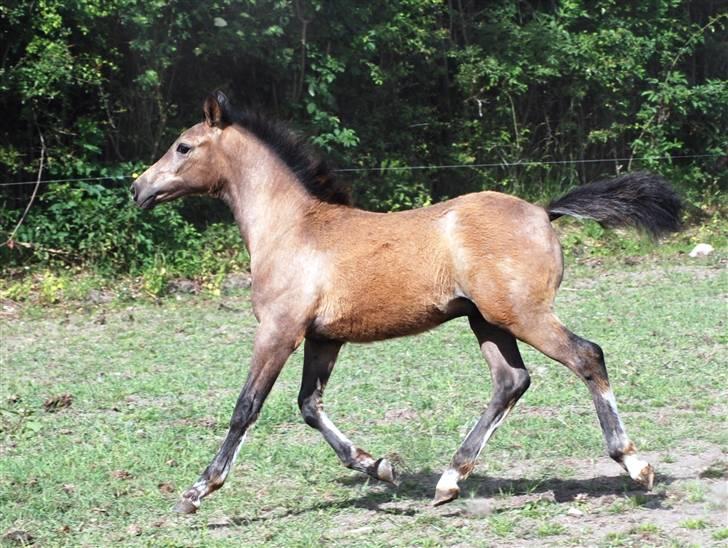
385 320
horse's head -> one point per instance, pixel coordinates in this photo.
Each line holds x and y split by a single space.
192 165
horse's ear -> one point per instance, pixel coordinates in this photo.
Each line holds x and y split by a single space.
216 110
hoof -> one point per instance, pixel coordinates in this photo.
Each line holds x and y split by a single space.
646 477
640 471
186 505
385 472
443 496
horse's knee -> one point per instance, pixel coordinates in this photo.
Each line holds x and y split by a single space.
309 410
246 411
512 385
589 363
522 382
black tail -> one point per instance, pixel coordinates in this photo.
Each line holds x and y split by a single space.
640 199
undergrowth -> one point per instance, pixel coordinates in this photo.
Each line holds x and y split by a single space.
103 243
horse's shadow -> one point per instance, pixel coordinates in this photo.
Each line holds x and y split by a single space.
420 486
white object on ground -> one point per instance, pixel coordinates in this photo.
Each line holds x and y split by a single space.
701 250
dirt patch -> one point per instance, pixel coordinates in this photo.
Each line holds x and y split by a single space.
9 310
532 504
688 503
398 415
596 505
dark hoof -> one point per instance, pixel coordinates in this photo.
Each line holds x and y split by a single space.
445 496
185 506
385 472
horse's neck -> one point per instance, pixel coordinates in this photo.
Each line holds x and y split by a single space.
268 204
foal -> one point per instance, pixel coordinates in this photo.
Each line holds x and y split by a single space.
327 273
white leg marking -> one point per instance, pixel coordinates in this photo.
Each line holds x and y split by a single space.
493 427
638 469
203 487
328 428
327 424
448 481
237 450
622 434
609 396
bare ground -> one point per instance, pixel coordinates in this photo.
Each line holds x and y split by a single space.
598 505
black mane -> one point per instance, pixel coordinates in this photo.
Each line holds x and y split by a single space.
310 169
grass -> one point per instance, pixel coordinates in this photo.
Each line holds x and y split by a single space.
152 386
548 529
694 524
646 529
695 492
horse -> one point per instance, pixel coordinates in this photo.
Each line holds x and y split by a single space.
325 273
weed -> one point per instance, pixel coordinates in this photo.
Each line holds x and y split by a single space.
155 278
548 529
695 491
635 501
695 523
51 287
645 529
619 506
616 539
539 509
502 525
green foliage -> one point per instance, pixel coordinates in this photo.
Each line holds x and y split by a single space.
95 225
376 85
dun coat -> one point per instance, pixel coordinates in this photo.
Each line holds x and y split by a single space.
327 273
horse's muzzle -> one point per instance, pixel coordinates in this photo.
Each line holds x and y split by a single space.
144 197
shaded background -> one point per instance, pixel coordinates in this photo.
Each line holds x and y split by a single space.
555 85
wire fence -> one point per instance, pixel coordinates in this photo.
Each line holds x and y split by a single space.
489 165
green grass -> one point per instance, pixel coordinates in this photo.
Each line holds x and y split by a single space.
695 492
547 529
646 529
152 387
694 524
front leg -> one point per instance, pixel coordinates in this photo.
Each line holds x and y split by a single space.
319 358
274 343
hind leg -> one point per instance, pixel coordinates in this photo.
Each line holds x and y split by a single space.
318 361
510 381
548 335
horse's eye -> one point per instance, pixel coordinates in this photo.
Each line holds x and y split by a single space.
183 148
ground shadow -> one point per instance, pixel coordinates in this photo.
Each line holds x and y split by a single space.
420 486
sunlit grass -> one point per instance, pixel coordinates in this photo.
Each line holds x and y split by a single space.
152 387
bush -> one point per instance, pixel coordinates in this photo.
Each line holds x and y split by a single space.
96 226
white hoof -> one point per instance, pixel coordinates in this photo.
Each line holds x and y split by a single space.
640 471
386 472
447 487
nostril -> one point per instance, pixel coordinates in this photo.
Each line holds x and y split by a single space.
133 190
